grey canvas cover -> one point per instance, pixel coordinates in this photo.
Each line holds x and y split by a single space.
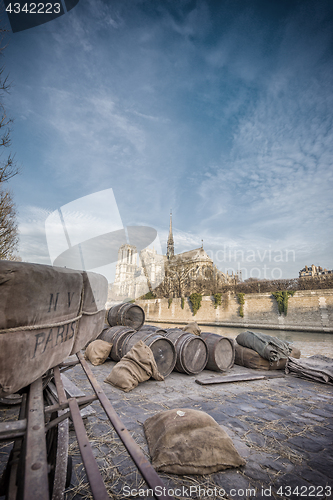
251 359
318 367
94 297
268 347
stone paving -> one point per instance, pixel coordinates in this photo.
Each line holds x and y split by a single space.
283 427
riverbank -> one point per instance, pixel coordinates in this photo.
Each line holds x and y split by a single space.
308 310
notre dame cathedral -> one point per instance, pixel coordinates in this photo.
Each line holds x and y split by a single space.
170 275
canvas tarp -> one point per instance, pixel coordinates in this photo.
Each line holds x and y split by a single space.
40 312
268 347
319 368
185 441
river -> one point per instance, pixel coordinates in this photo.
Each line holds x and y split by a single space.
309 343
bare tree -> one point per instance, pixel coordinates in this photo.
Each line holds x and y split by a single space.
183 278
8 226
8 168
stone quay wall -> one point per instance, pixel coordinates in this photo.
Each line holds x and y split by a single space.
308 310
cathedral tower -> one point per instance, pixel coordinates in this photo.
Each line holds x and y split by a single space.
170 245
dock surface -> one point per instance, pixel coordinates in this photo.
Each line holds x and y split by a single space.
282 426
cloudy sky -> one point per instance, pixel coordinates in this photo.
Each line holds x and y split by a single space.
220 110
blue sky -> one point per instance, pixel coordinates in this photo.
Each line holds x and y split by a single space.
220 110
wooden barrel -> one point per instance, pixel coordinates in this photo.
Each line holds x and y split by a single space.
221 352
162 348
192 352
116 336
152 328
126 314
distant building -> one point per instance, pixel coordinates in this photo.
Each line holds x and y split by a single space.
136 274
186 272
314 271
167 275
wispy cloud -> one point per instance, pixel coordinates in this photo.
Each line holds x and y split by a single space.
216 110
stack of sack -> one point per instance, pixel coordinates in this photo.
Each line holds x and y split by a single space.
261 351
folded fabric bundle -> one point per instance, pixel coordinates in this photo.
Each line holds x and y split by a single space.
138 365
184 441
268 347
319 368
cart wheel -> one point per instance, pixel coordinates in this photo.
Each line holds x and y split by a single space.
11 399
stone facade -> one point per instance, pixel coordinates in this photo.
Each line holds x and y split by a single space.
136 274
170 275
314 272
308 310
189 271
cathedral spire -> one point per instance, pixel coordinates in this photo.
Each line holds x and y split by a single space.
170 245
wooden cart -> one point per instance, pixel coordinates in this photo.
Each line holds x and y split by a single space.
38 466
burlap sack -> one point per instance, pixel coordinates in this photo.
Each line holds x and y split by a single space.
138 365
97 352
192 327
184 441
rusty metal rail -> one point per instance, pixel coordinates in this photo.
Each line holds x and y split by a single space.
146 469
37 465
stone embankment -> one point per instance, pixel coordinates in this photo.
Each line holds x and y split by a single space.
308 310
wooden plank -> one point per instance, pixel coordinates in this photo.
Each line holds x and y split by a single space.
36 486
241 377
11 430
97 486
72 391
